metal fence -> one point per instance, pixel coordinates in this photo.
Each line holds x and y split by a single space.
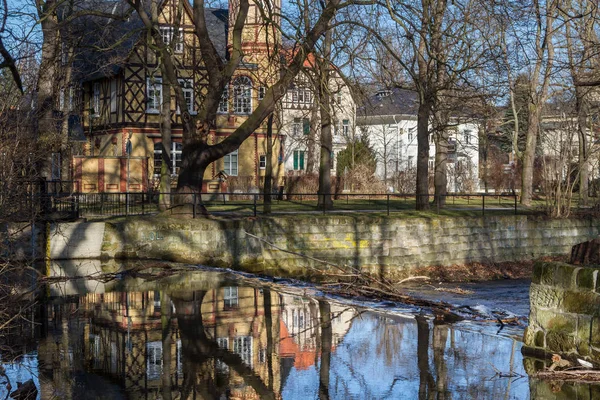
124 204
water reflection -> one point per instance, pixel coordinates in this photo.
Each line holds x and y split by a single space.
202 337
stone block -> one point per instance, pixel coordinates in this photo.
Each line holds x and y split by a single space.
560 341
563 276
581 302
545 297
547 274
586 279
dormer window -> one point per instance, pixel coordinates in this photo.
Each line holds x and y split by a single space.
383 93
167 36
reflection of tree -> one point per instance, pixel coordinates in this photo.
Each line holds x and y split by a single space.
389 340
167 341
326 341
200 350
426 382
440 336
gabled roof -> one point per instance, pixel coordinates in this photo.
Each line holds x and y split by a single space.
395 101
105 43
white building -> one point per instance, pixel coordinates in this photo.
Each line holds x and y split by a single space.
301 123
389 119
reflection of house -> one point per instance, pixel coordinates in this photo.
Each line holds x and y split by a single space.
390 120
301 328
119 336
122 98
301 120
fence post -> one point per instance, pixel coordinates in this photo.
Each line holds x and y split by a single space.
388 204
143 197
254 195
483 204
127 204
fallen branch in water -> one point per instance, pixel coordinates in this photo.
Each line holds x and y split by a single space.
578 375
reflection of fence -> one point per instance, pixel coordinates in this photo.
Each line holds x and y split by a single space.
123 204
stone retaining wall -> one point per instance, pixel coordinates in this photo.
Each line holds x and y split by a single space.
388 246
565 309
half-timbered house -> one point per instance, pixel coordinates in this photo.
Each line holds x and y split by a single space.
121 97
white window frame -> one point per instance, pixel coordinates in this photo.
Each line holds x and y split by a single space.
467 135
297 127
187 85
346 127
242 346
176 152
301 165
153 94
96 98
230 297
154 360
242 95
262 161
229 161
224 102
167 35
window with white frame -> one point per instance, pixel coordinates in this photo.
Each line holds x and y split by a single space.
223 343
262 162
230 297
113 96
230 163
346 127
153 94
176 151
188 93
224 102
261 92
154 355
242 346
167 37
61 99
96 98
242 95
297 126
71 98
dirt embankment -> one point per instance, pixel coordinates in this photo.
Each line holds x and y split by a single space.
482 271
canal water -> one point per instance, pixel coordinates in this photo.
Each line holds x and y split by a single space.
214 334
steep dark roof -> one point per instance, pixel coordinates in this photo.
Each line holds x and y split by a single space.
104 44
390 102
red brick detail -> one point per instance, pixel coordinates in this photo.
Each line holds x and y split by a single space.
144 174
123 174
100 174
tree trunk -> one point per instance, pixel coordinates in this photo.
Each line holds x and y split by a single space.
529 156
440 179
423 155
46 93
268 186
583 147
166 168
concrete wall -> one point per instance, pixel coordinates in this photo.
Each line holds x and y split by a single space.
565 309
388 246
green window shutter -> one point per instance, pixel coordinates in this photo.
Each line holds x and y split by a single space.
302 160
306 126
295 160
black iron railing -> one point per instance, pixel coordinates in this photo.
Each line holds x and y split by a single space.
124 204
